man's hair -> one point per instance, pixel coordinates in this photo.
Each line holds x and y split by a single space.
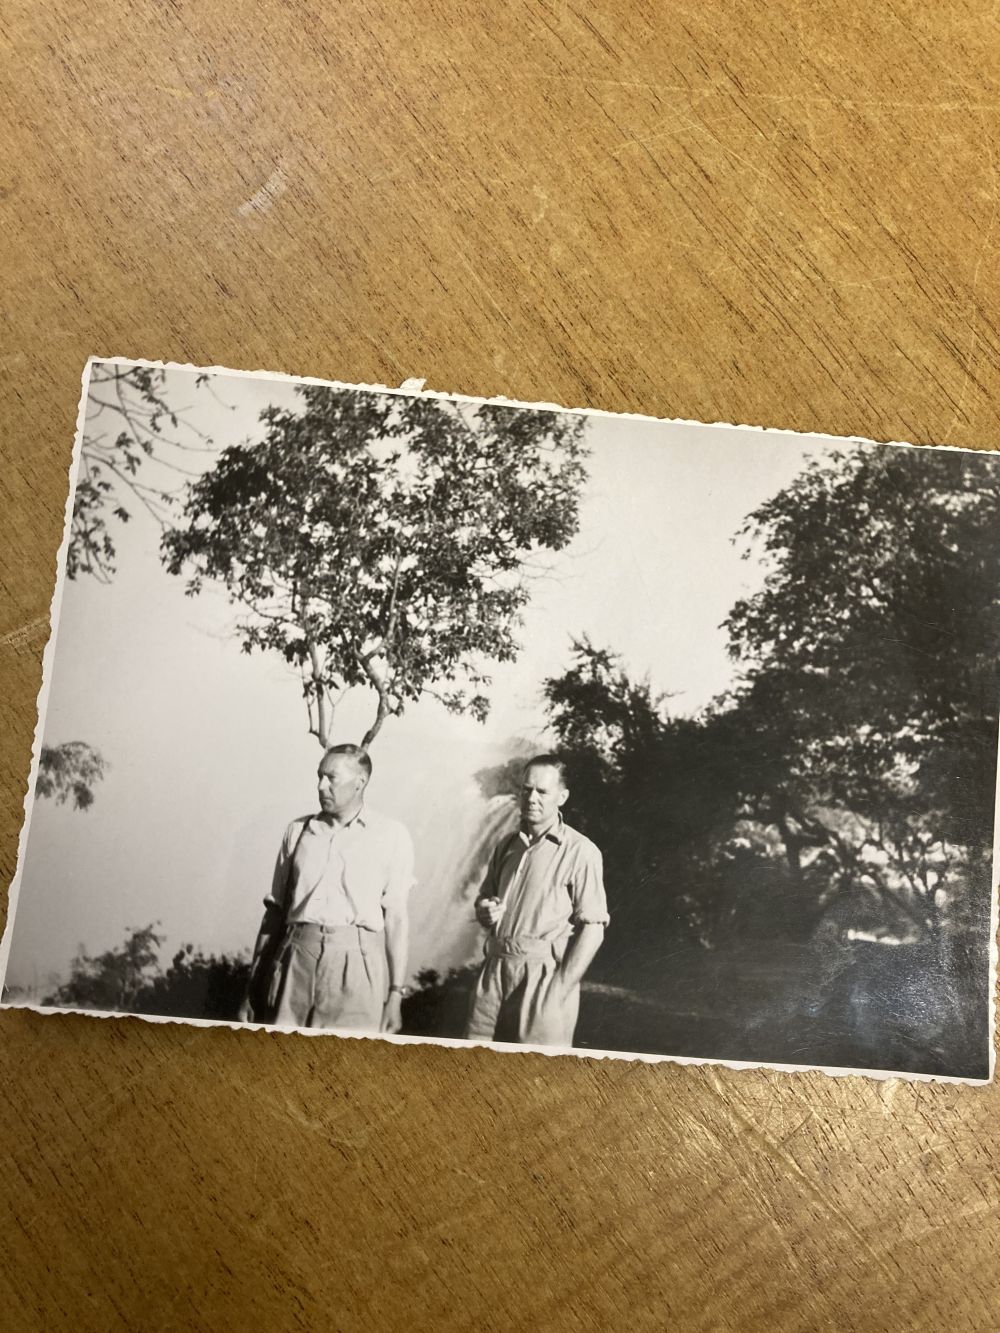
360 757
550 761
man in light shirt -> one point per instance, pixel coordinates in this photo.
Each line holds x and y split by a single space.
544 906
333 944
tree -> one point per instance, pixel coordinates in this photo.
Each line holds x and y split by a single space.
196 985
126 414
70 770
439 1005
380 541
113 980
663 799
130 980
126 411
870 670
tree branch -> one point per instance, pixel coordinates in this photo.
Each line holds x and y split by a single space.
381 688
323 710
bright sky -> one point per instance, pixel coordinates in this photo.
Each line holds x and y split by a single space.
209 750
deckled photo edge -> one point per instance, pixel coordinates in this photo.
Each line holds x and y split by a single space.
509 1048
413 387
48 659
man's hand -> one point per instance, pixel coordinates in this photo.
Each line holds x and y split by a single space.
243 1014
488 911
578 957
392 1013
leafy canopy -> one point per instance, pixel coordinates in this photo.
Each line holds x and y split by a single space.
381 541
114 979
133 451
854 763
70 772
870 656
131 979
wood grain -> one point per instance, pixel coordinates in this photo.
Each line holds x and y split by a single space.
769 213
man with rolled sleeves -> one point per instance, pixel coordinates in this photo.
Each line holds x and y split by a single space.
544 906
333 944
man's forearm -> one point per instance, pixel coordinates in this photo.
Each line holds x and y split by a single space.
269 927
397 945
580 953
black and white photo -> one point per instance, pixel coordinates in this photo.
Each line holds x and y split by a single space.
393 713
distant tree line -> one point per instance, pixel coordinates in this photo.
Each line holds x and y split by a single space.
130 979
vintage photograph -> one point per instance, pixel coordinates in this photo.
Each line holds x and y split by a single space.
388 712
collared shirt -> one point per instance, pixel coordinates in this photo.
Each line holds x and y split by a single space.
343 874
547 887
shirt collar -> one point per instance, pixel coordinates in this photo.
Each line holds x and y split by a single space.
556 832
361 819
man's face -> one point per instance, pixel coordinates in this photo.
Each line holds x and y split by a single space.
341 782
542 793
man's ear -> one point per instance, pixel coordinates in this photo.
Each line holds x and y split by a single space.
563 797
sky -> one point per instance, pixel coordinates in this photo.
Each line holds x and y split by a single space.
208 747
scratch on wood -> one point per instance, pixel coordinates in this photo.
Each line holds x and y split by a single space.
263 199
24 635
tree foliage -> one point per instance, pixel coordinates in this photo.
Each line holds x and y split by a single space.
439 1005
129 425
663 798
381 541
70 772
197 985
132 458
130 979
870 665
112 980
851 771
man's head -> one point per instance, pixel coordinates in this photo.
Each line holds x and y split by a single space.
343 776
543 791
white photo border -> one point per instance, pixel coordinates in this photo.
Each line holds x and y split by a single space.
413 387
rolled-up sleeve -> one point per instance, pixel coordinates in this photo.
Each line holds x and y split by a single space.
282 867
590 904
399 879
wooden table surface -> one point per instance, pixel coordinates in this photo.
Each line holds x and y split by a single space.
771 213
